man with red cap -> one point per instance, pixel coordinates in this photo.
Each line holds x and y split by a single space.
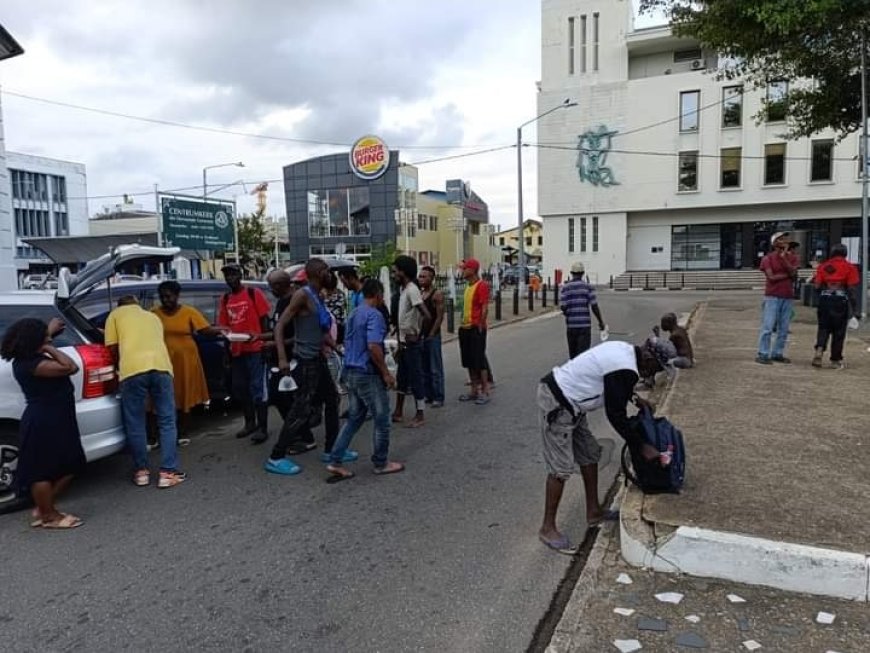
472 333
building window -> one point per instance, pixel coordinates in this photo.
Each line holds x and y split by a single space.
823 159
595 41
61 224
583 235
58 189
422 221
731 163
433 223
570 236
595 234
583 44
682 56
774 164
528 241
475 228
732 106
689 101
339 212
695 247
571 45
688 172
777 101
501 240
540 241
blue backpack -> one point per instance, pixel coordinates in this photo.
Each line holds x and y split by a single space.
650 476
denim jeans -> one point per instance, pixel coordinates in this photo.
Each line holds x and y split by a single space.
134 391
366 393
775 313
410 378
249 378
433 369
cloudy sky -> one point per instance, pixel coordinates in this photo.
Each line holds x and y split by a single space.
434 79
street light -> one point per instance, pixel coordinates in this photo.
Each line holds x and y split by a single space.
237 164
522 254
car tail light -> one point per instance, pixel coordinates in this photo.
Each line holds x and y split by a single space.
98 371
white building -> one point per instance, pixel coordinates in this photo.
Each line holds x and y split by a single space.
678 175
49 200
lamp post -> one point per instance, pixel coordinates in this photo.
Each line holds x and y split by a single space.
237 164
864 179
521 236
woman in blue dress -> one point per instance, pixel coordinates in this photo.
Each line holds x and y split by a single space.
50 448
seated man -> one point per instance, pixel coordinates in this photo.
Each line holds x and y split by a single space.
685 357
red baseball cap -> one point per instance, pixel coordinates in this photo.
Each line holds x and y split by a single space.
471 264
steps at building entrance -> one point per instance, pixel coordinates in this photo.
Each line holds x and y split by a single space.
694 279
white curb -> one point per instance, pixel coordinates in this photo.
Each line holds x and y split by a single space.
751 560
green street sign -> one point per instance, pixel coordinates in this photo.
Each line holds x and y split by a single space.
197 225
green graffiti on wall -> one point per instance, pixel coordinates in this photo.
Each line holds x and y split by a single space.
593 147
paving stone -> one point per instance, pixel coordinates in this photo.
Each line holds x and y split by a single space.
670 597
625 612
693 618
653 624
734 598
791 631
627 645
743 624
691 640
624 579
751 645
825 618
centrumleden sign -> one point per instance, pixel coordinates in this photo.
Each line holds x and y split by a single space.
197 225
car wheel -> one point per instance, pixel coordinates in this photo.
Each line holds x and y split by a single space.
9 502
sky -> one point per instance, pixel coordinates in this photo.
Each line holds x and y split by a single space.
433 79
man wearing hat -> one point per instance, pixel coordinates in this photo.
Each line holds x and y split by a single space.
472 333
246 311
576 299
779 269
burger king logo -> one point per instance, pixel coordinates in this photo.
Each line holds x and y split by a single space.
369 157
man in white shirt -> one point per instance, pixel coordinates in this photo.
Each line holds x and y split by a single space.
412 311
601 377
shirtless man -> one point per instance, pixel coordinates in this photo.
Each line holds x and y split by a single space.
680 339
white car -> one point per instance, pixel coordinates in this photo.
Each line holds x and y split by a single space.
98 409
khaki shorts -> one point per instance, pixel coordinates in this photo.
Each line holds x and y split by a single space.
568 442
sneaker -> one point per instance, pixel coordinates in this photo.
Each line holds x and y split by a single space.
817 358
141 477
437 404
152 446
171 479
838 365
284 467
259 436
183 442
350 456
763 360
781 359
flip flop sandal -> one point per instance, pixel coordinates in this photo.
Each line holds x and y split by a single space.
64 523
389 468
609 515
560 545
415 425
397 420
337 477
468 397
483 400
301 449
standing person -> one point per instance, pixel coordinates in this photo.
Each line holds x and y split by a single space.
180 323
410 314
282 286
779 274
472 333
246 311
577 299
50 446
367 379
350 279
336 303
601 377
135 338
315 388
836 279
433 362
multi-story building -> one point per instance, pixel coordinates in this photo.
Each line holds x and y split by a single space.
533 245
49 200
334 209
662 165
9 47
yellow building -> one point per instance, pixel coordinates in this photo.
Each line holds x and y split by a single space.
507 242
439 233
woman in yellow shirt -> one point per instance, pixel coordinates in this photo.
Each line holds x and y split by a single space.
180 323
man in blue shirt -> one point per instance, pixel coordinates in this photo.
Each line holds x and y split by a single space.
367 379
576 300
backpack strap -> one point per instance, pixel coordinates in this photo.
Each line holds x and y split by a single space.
629 475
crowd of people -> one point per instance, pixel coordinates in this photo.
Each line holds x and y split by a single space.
300 356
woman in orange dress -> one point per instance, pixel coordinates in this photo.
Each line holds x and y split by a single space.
180 323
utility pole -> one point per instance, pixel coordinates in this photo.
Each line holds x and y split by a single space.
864 180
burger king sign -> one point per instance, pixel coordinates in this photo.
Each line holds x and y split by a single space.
369 157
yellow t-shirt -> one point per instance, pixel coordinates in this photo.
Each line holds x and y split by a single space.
139 336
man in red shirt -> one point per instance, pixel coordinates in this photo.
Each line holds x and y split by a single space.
472 333
779 272
246 311
836 280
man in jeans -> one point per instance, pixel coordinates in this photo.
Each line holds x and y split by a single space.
779 272
433 363
135 339
411 313
367 379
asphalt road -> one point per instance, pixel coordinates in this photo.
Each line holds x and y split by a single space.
443 557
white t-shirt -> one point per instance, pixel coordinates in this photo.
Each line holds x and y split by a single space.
581 379
410 319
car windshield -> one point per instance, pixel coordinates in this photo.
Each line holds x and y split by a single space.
11 314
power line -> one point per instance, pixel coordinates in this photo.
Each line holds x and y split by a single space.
215 130
700 155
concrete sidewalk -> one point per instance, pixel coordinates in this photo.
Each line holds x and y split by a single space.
778 460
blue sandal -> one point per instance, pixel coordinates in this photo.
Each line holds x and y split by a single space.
284 467
560 545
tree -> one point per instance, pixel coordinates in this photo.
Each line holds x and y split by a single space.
382 255
817 41
254 243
